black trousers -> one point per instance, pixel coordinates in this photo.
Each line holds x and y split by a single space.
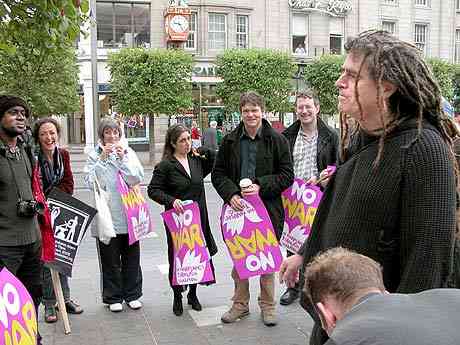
318 335
120 269
25 263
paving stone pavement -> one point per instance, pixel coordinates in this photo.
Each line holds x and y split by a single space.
155 324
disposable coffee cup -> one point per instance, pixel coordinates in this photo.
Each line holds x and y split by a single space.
245 183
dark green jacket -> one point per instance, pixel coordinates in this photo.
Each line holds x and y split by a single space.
274 171
14 230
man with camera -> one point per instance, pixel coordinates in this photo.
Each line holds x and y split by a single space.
20 239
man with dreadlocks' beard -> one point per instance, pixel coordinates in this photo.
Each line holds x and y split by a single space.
393 196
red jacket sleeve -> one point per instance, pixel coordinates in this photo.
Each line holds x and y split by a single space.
67 182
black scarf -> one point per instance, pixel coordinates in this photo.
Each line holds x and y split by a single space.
52 174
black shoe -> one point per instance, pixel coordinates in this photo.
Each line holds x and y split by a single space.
178 309
73 308
193 301
289 296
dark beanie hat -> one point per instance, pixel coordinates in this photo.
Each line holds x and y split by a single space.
8 102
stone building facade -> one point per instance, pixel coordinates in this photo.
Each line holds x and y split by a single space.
306 28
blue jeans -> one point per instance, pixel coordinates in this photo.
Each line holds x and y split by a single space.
49 298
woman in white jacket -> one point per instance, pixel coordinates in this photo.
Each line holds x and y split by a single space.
119 261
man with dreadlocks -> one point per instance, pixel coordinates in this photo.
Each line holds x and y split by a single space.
393 196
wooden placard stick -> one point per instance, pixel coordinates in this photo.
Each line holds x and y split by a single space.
60 300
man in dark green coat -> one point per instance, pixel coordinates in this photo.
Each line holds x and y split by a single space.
254 150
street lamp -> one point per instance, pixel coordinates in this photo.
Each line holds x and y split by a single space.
299 78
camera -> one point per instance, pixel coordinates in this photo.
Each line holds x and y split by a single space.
29 208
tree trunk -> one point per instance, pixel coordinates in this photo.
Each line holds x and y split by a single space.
151 139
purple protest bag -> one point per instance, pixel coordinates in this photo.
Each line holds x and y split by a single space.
191 256
300 202
136 209
18 321
250 238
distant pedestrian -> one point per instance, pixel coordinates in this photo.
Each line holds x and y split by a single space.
120 262
393 196
195 135
220 135
210 136
179 177
56 172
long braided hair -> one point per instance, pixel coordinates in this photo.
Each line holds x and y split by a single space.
417 92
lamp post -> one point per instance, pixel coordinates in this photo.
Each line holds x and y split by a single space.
93 35
299 78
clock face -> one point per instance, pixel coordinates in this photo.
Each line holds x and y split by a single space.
179 23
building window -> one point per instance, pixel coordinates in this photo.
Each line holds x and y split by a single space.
191 39
299 34
389 26
457 46
335 44
217 29
390 2
421 2
458 5
420 36
242 31
123 24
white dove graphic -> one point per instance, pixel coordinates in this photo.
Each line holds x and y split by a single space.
234 220
299 233
191 270
141 223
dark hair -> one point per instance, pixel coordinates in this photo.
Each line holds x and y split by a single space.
107 122
253 98
41 122
342 274
308 93
172 135
417 95
8 102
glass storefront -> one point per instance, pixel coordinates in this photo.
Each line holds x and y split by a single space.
136 127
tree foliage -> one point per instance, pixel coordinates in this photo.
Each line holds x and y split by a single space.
323 72
151 82
265 71
48 82
444 73
456 98
40 25
37 54
321 75
156 81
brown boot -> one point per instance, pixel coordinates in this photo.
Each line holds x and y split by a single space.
234 314
269 318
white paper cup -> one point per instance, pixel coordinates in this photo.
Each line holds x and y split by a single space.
245 183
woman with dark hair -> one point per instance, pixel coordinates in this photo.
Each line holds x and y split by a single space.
178 177
55 171
119 261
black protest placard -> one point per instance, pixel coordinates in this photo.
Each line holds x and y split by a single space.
70 218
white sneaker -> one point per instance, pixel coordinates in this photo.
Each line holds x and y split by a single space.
116 307
136 304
